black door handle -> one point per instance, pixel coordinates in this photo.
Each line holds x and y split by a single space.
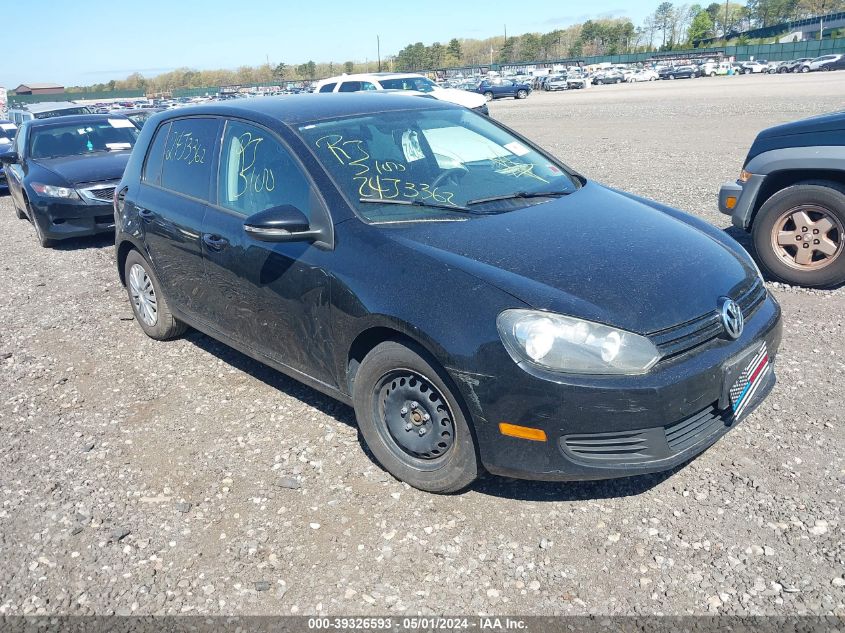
215 242
145 214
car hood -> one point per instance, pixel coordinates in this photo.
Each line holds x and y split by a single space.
835 121
459 97
99 167
595 254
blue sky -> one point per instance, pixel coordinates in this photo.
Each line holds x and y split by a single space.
76 42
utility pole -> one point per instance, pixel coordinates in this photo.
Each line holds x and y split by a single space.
378 51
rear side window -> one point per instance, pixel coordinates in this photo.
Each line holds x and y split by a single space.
328 87
350 86
189 157
155 156
258 173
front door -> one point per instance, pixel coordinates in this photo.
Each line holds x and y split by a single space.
172 201
15 171
272 297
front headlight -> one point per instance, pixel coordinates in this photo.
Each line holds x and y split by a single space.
51 191
566 344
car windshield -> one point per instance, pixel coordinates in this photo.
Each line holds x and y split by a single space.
106 135
391 165
420 84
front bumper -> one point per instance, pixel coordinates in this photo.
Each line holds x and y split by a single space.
745 195
591 423
63 219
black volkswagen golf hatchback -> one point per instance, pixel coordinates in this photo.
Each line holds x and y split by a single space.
478 303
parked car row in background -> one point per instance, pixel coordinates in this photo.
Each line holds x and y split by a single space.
519 86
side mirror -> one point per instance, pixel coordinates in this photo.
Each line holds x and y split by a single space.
284 223
8 156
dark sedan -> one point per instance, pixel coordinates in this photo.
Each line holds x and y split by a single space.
680 72
481 305
62 173
501 88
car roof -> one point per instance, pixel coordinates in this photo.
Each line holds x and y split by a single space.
295 109
376 76
47 106
73 119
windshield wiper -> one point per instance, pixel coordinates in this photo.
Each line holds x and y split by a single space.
416 203
521 194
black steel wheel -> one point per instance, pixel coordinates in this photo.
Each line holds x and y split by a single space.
412 420
415 417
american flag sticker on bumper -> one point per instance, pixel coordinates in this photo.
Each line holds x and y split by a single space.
743 390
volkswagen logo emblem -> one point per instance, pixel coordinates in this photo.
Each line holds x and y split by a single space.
732 318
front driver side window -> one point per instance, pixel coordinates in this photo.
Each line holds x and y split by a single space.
258 173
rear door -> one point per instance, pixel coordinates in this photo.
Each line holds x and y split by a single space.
273 297
171 202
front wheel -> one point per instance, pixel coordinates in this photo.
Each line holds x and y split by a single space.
805 69
45 241
412 420
148 302
799 235
521 94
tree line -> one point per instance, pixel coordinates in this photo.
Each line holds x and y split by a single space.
669 27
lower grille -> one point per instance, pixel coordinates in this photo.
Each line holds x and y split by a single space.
647 445
609 446
700 427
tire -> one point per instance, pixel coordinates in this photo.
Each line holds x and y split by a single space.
164 325
521 94
45 242
712 73
392 368
805 69
488 95
20 215
817 201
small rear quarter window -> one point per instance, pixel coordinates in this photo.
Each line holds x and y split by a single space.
328 87
189 156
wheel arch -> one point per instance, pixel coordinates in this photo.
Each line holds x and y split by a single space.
380 332
780 180
124 247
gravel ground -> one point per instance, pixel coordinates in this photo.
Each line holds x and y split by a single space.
182 477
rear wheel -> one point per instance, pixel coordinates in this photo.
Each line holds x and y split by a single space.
148 302
412 420
799 234
521 94
488 95
805 69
